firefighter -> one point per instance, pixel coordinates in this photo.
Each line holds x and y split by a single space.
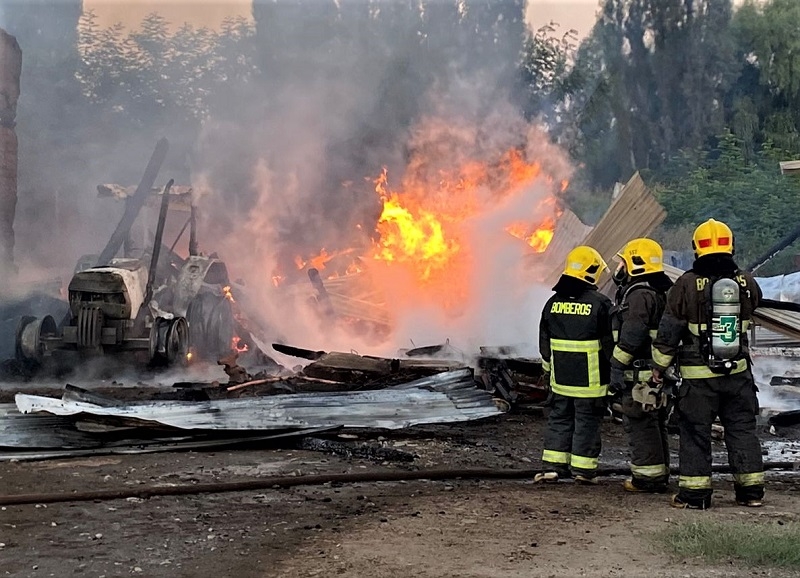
639 305
704 328
575 344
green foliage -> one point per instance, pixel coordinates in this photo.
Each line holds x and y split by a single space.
760 544
702 99
754 199
652 75
546 71
154 75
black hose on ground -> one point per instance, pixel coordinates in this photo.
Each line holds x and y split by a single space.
276 482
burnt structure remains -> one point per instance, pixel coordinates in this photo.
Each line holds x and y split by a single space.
10 72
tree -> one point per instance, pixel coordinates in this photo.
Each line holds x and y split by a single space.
717 183
767 105
661 69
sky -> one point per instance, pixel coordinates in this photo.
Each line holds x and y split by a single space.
570 14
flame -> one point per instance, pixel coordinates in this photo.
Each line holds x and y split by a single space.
422 246
423 225
539 239
411 235
237 345
226 291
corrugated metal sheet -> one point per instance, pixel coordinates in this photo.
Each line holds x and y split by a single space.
767 338
672 272
634 213
445 398
18 430
784 322
37 448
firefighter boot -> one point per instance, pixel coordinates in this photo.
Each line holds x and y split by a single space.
630 485
683 503
586 480
552 474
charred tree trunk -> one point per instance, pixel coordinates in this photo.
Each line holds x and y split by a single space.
10 71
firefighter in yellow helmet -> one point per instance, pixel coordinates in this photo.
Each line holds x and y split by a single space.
704 330
639 305
575 343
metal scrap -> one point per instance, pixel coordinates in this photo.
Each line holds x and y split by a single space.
445 398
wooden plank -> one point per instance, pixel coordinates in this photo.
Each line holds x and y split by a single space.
634 213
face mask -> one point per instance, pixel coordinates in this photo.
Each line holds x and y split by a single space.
620 275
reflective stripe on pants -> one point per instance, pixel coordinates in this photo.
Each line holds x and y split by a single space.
732 398
648 440
573 429
555 457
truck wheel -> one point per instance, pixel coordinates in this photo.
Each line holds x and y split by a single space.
169 341
30 337
178 342
211 326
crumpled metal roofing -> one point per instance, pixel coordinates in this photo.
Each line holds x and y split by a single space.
18 430
634 213
443 398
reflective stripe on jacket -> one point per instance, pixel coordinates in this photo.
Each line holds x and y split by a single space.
575 342
635 319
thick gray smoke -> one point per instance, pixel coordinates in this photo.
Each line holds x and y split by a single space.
303 117
419 88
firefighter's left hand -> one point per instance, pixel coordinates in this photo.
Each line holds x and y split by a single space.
657 376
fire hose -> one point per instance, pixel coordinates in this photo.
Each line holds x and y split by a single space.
280 482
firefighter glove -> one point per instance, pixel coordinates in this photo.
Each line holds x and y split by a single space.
650 395
617 384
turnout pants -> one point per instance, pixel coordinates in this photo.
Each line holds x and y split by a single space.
648 443
733 399
572 439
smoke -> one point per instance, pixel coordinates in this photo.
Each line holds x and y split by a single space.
291 207
776 398
284 164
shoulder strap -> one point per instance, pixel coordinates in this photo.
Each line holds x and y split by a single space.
645 285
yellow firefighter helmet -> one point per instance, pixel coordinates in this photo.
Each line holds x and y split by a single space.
712 237
642 256
584 263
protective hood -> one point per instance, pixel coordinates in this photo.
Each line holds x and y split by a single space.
571 287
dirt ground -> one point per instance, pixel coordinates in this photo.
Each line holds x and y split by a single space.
439 529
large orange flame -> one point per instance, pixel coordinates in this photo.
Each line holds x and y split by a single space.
422 248
414 236
424 226
420 224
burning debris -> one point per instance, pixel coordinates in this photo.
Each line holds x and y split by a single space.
171 311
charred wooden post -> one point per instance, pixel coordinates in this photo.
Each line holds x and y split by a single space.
162 219
322 294
134 205
10 72
193 231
